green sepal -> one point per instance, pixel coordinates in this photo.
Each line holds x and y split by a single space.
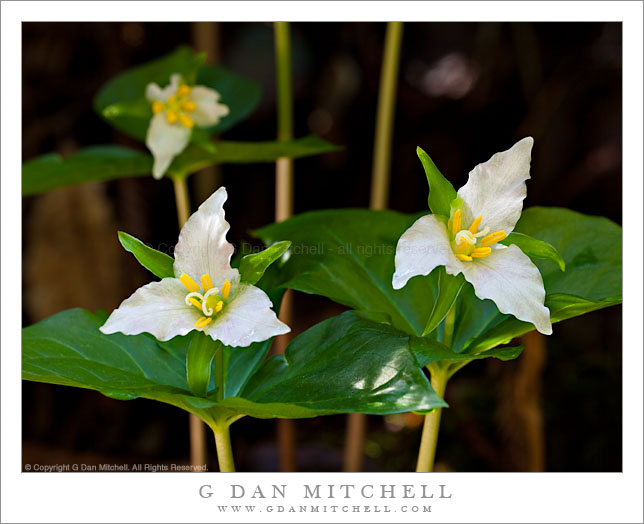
535 248
427 350
253 266
201 352
441 191
448 289
156 262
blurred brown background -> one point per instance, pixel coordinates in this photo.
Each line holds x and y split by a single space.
466 91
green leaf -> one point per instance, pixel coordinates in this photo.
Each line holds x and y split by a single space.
448 289
156 262
427 351
103 163
94 164
441 191
201 352
196 156
535 248
345 364
348 256
252 267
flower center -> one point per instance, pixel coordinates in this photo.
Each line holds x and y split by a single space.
177 107
468 244
210 301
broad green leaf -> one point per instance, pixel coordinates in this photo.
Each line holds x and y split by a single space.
156 262
535 248
441 191
448 289
252 267
344 364
427 351
201 352
102 163
348 256
196 156
94 164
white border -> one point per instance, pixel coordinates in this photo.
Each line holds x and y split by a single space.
169 497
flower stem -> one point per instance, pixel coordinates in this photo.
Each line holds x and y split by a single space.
224 449
439 377
220 372
385 116
284 208
198 446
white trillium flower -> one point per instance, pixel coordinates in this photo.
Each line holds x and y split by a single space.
490 204
177 109
206 293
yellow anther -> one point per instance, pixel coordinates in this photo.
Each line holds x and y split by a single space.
465 258
219 306
225 289
195 303
186 121
481 252
183 90
475 225
157 107
188 105
206 283
171 117
202 322
190 284
172 99
456 222
493 238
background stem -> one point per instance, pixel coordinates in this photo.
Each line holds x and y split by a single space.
284 210
198 445
357 422
224 449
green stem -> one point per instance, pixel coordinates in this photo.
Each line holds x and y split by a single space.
182 199
224 449
385 116
439 377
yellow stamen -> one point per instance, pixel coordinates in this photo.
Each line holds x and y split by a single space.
206 283
171 117
186 121
219 306
203 322
172 99
481 252
201 319
183 90
465 258
195 303
157 107
456 222
190 284
493 238
225 289
188 105
475 225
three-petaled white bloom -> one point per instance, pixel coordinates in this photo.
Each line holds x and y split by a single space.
221 306
177 109
490 204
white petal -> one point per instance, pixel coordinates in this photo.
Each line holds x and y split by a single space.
202 247
158 308
246 319
208 111
165 141
424 246
510 279
154 93
495 190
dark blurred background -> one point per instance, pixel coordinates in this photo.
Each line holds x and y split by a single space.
466 91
